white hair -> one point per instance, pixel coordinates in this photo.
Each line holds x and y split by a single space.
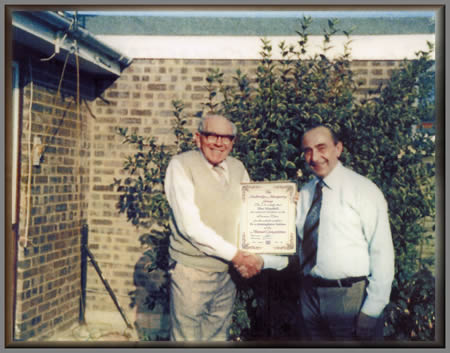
202 124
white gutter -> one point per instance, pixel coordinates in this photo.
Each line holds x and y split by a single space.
62 34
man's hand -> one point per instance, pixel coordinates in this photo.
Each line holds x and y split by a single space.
247 264
365 326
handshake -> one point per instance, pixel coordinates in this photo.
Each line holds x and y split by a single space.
247 264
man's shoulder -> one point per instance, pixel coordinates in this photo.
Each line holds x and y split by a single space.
233 161
183 156
352 175
353 178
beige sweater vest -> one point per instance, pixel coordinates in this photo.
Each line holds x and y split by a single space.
219 209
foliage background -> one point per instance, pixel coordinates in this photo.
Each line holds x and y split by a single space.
271 111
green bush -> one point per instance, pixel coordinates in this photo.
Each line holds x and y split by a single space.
381 142
143 200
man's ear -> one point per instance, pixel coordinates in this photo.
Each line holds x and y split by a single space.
340 148
197 139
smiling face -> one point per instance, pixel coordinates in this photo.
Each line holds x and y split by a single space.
217 151
321 151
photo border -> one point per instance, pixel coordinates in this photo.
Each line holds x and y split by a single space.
442 96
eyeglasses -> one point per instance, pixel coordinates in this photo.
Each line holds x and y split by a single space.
212 137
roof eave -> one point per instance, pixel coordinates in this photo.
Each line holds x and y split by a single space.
50 33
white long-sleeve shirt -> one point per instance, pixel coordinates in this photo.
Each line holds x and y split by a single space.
354 234
180 195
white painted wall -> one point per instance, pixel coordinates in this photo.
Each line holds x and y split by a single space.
375 47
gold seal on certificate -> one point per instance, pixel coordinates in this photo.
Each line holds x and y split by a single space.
268 218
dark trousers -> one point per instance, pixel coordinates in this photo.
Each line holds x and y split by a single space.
330 313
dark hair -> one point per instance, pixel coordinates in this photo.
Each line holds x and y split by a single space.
334 134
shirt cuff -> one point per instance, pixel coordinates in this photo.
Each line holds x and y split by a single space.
275 262
372 308
227 251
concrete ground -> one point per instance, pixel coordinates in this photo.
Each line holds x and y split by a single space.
94 333
98 328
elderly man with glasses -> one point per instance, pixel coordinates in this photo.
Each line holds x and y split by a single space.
202 188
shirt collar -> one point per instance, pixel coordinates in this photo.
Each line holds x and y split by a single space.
222 164
332 180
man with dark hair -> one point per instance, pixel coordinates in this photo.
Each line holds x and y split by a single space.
346 251
203 190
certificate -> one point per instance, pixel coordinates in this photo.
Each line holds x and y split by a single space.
267 222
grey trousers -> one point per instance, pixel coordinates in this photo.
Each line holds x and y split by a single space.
201 304
330 313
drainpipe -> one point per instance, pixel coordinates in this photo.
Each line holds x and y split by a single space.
84 243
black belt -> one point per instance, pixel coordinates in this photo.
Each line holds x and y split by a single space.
344 282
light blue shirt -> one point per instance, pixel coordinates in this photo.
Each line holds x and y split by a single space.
354 234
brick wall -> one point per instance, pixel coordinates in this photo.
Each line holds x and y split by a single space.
71 187
48 267
141 100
